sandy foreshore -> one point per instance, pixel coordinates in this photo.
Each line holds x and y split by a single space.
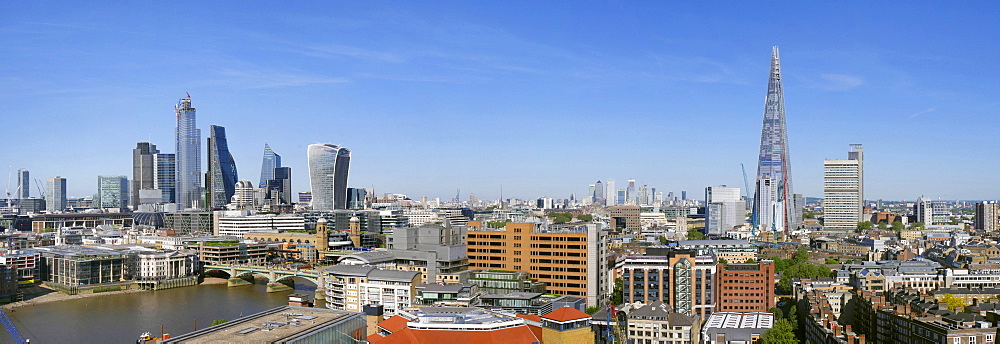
41 294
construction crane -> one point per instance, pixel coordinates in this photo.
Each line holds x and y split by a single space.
753 214
38 185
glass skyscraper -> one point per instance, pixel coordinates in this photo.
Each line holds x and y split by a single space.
166 176
23 184
112 192
188 141
328 169
773 206
55 194
143 170
222 175
271 161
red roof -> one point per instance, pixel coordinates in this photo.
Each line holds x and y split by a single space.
512 335
393 324
531 317
374 338
565 314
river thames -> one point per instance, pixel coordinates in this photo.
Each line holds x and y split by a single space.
121 318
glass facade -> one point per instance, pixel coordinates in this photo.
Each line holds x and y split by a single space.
188 159
271 161
166 176
328 171
112 192
222 173
773 162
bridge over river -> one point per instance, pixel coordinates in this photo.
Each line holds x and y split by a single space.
279 278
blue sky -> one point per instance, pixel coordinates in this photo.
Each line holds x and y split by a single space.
542 98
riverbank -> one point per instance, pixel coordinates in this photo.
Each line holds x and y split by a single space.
43 294
215 280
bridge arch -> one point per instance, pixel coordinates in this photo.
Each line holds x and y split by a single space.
314 281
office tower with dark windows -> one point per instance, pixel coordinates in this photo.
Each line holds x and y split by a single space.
143 170
188 142
843 191
631 198
23 184
112 192
773 202
283 181
271 161
328 170
598 192
55 194
222 176
165 165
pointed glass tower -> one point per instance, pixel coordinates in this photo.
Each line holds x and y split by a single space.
773 205
271 161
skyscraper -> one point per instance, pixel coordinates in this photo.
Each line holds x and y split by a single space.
112 192
631 198
924 210
773 204
143 170
166 176
843 191
222 175
987 213
23 184
723 209
283 180
598 192
271 161
611 193
328 169
188 141
55 194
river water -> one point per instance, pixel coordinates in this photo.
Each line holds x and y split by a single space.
122 318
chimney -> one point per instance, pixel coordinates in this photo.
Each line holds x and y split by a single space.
861 339
836 330
848 329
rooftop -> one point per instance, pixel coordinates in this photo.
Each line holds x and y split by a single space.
285 323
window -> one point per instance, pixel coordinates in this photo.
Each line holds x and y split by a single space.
989 338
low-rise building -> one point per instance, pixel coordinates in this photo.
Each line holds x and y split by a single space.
656 323
433 325
350 287
744 287
285 324
450 294
736 327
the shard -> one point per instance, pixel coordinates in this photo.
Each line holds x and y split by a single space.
773 207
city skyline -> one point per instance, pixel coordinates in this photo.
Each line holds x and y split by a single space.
470 87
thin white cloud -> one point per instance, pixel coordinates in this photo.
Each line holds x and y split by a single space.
268 79
921 112
840 82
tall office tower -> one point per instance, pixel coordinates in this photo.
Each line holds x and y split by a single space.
924 210
590 191
684 195
143 170
631 198
643 196
773 211
723 209
165 165
55 194
23 184
622 197
222 175
611 193
652 197
112 192
188 142
328 169
843 187
271 161
598 192
283 179
987 213
244 198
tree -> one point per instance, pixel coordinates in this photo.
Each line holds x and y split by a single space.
865 225
882 226
616 296
585 217
663 240
832 261
954 302
723 261
778 314
694 234
592 310
802 255
783 332
916 225
220 321
897 226
800 271
750 261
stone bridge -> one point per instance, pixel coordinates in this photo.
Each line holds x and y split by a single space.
279 278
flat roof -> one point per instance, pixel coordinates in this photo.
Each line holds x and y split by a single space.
273 325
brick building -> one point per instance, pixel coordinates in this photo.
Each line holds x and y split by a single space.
744 287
